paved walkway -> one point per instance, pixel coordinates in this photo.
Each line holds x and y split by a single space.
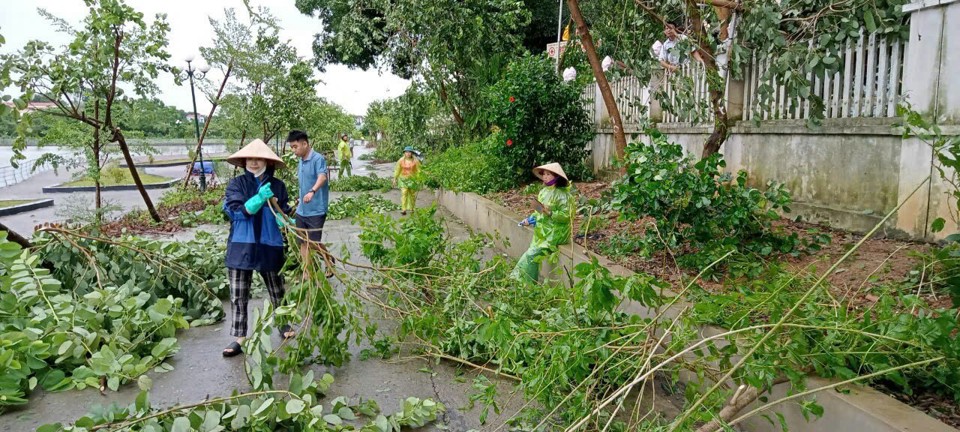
201 372
66 205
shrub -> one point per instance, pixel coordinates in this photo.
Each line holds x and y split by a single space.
541 119
698 206
475 167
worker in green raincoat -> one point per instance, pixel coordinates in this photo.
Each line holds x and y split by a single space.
345 155
551 221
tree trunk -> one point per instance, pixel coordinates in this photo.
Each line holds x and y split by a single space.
618 136
443 97
97 197
16 238
715 84
118 137
739 401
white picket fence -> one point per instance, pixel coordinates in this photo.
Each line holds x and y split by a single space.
589 98
633 99
690 78
867 84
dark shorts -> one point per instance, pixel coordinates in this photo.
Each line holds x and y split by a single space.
312 223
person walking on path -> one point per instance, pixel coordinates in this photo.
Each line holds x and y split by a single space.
255 242
408 167
312 175
345 155
551 221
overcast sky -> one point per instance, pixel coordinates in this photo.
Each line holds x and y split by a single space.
190 28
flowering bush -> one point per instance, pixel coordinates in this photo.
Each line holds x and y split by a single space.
540 119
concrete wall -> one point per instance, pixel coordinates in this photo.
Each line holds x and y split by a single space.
862 409
847 174
851 172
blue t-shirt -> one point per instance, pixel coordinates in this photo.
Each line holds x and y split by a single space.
308 170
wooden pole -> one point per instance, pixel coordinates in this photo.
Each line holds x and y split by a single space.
618 135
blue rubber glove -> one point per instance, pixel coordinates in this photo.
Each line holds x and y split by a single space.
254 204
265 192
530 221
283 220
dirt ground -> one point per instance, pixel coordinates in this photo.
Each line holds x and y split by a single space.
878 262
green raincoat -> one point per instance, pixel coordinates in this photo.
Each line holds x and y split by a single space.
549 233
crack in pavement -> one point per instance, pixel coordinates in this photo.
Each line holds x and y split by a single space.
436 392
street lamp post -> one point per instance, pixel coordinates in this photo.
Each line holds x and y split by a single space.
199 73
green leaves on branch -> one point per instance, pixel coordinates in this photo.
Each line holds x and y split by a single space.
349 206
360 184
699 208
106 314
262 411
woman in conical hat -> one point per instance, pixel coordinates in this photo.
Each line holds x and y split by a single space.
255 242
551 221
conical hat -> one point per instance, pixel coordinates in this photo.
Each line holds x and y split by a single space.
552 167
257 149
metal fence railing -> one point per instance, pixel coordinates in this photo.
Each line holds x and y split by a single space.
10 176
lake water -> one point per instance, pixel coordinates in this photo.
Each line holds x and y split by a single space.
10 175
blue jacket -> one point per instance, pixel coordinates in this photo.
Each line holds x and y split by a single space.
255 241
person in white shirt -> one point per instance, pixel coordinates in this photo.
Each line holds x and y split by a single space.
669 56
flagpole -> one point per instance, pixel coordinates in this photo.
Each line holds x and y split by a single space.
559 29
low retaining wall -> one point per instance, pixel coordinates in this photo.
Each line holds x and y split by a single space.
38 204
66 189
847 174
862 409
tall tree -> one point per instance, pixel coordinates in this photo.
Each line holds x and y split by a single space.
261 63
797 39
440 43
114 49
608 99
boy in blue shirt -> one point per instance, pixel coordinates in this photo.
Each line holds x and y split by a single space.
314 194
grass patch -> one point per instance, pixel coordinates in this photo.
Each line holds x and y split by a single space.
116 179
13 203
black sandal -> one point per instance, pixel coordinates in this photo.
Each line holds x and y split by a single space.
234 348
284 329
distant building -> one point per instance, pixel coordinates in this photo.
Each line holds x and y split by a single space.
200 117
358 121
34 106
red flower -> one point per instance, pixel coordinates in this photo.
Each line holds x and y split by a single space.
509 142
512 99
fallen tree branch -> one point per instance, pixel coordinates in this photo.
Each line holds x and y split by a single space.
743 397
